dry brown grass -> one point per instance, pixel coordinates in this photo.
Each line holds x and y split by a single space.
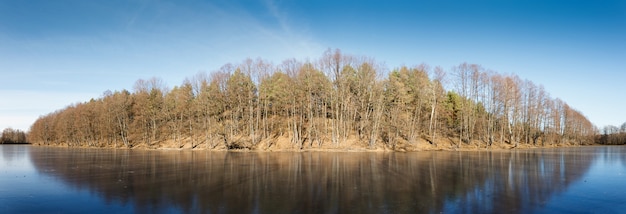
352 144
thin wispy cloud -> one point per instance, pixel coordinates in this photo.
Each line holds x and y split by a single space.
141 40
90 47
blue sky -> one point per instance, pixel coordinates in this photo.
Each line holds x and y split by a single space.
54 53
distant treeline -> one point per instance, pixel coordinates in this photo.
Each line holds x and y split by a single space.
13 136
334 101
613 135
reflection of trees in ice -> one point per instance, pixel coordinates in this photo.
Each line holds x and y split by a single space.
11 153
317 182
612 154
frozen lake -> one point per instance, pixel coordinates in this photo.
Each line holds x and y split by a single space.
77 180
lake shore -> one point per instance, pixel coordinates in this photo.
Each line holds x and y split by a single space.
284 145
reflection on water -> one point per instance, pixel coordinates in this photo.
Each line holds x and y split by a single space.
317 182
12 152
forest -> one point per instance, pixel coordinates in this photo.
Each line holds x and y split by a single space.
336 101
13 136
613 135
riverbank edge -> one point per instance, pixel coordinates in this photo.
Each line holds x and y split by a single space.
418 147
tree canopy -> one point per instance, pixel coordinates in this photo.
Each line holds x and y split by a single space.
13 136
338 100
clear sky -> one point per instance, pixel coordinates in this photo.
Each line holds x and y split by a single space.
55 53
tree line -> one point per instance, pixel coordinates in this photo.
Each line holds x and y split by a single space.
337 100
13 136
613 135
